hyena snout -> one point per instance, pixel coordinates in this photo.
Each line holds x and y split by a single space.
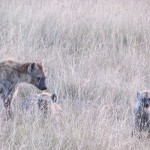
37 76
42 85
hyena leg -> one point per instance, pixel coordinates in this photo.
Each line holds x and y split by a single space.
148 125
8 110
7 98
138 125
7 105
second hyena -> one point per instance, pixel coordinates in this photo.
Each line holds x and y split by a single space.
49 101
12 73
42 102
142 112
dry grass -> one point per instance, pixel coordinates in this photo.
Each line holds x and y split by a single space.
96 55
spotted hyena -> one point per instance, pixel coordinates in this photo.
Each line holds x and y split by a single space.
142 112
47 101
12 73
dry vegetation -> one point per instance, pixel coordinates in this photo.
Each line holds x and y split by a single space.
96 55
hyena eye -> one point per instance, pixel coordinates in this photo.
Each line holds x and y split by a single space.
143 100
40 100
38 78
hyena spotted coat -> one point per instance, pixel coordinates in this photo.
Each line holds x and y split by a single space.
12 73
142 112
47 101
43 102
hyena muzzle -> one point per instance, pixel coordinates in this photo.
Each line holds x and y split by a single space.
142 112
12 73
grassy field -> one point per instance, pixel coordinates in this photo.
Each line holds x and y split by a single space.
96 55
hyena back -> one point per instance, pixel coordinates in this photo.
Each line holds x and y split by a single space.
142 112
12 73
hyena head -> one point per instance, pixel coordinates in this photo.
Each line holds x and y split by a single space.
37 77
44 99
144 99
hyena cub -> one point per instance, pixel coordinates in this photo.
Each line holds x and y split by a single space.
142 112
47 101
12 73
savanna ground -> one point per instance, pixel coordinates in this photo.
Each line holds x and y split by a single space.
96 55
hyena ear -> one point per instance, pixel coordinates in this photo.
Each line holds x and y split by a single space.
31 67
54 98
138 95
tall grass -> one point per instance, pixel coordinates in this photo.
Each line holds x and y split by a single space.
96 56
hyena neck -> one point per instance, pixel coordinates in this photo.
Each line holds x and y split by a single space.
23 73
25 78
